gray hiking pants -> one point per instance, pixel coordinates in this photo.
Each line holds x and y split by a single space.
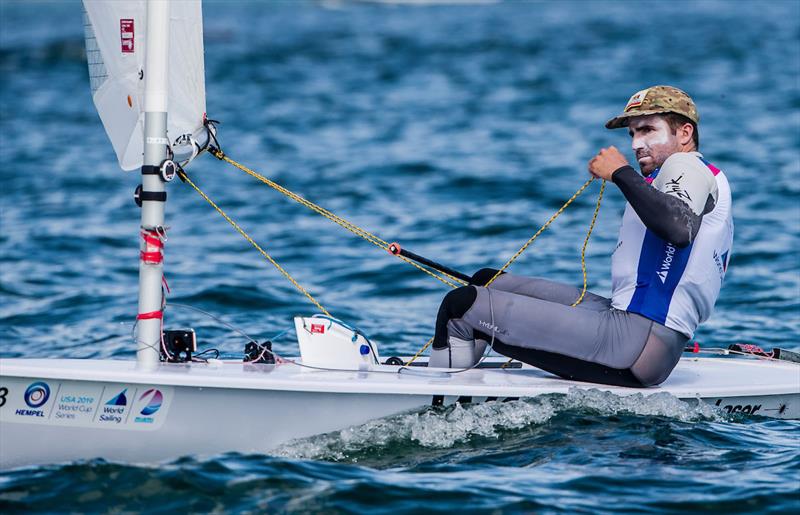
532 320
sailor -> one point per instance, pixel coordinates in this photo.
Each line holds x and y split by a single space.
667 269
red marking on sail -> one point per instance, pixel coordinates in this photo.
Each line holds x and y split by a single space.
126 35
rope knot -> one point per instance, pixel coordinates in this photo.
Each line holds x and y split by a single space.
218 153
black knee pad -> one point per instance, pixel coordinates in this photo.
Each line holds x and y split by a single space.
483 276
454 305
458 301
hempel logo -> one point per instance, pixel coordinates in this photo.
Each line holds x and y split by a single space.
36 396
667 263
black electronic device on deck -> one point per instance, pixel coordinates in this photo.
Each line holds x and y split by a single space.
179 344
255 352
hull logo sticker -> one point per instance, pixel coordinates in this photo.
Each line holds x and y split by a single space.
90 404
37 394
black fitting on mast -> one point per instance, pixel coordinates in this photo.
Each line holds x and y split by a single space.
155 196
166 170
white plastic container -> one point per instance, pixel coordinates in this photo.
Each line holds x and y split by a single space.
328 343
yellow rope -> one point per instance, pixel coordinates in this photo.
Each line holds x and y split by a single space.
375 240
586 243
254 244
583 260
419 352
540 231
353 228
531 240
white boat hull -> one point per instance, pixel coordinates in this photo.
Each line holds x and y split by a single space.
63 410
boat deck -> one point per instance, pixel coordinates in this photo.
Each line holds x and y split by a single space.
693 377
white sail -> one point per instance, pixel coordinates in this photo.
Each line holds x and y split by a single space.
115 47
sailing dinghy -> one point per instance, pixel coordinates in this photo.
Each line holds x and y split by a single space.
147 78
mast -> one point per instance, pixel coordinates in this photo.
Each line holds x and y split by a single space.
153 194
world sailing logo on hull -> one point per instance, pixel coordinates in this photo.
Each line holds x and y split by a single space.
119 399
114 409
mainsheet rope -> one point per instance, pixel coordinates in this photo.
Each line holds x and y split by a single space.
533 238
246 236
358 231
377 241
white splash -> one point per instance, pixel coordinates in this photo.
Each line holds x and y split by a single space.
659 404
437 428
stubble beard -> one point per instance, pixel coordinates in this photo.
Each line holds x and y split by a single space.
657 158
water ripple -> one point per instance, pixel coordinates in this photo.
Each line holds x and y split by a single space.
456 130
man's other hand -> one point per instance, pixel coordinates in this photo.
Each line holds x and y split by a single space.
606 162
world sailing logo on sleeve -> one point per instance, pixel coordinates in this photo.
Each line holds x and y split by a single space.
666 264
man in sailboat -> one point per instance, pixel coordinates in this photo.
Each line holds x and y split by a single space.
667 268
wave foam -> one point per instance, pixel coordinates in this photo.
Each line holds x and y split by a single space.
660 404
440 428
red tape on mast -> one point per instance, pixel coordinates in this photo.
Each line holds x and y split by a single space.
153 253
151 315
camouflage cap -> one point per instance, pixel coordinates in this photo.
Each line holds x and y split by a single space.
655 100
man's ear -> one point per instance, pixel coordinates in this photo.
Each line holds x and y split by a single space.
685 133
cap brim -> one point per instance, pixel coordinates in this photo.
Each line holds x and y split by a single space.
622 120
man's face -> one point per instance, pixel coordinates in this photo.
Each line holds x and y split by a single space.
652 141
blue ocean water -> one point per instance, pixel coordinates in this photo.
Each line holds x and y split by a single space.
456 130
